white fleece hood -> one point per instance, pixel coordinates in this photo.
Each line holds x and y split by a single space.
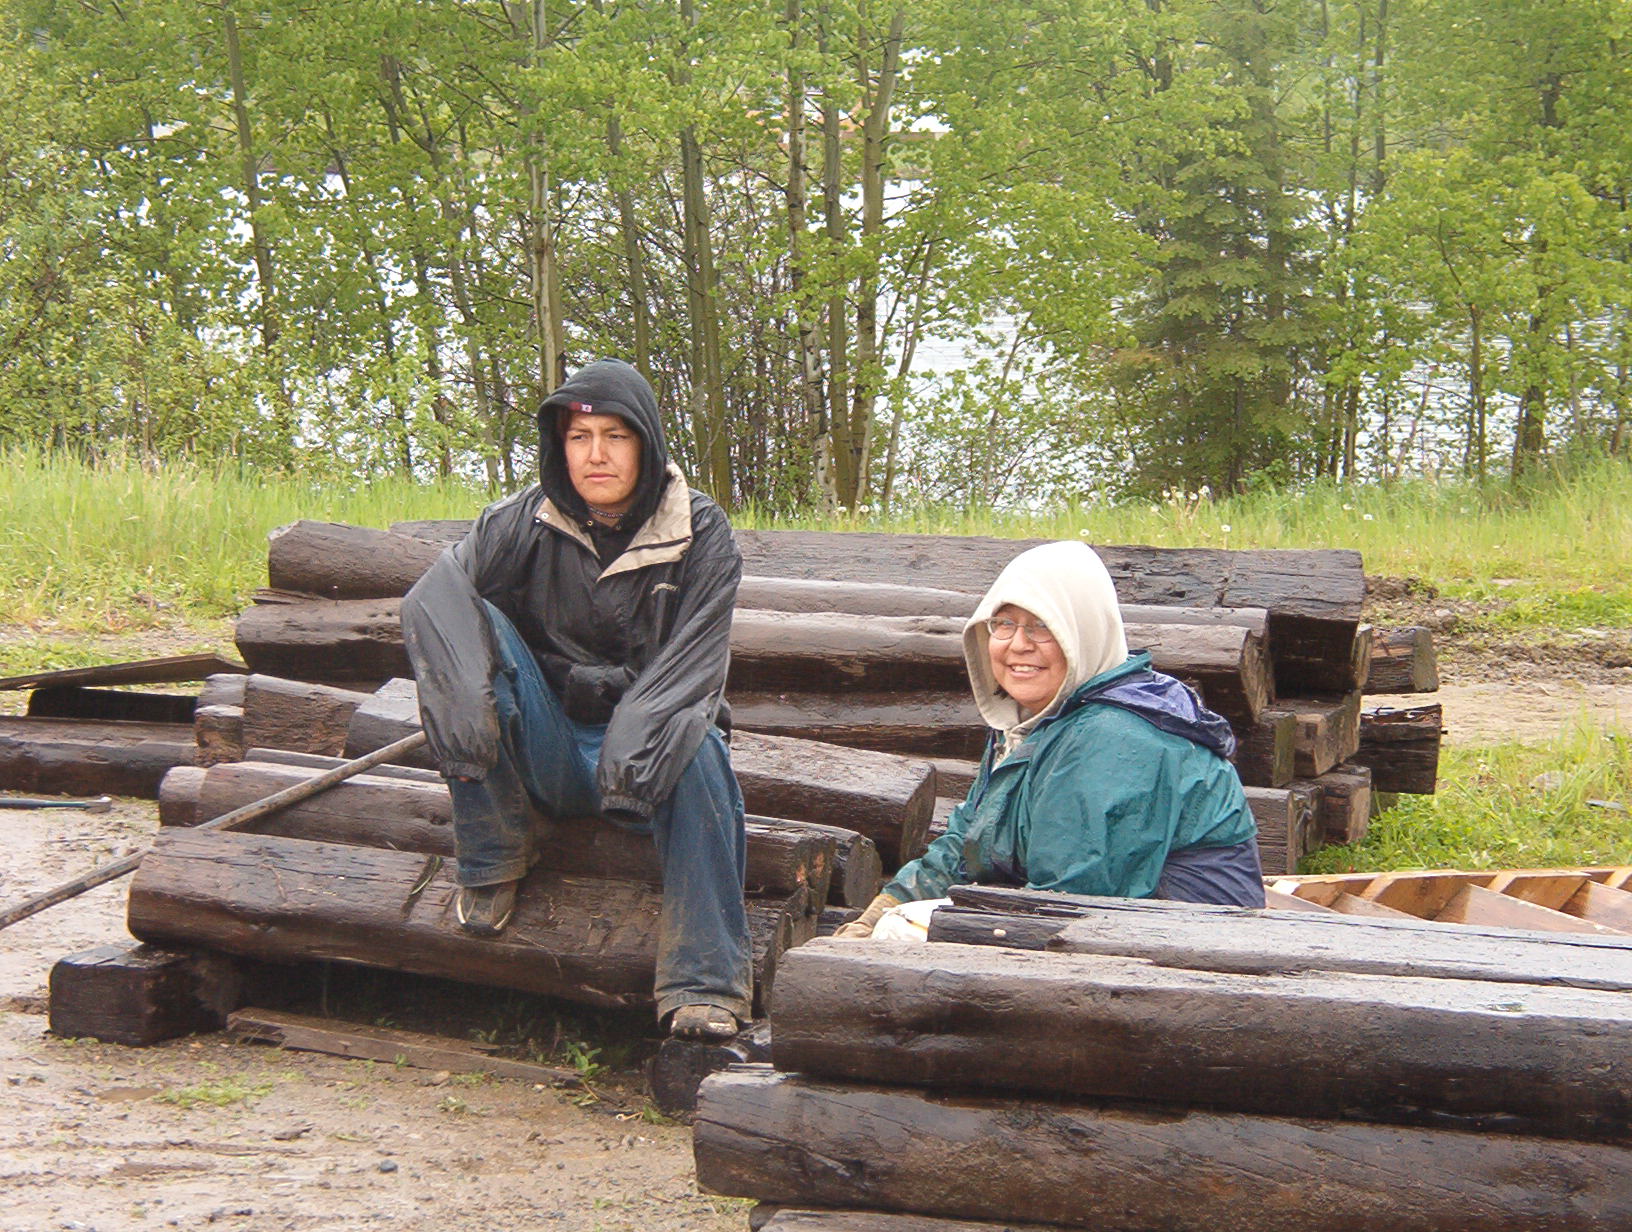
1067 587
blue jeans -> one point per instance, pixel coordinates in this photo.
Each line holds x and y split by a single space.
546 772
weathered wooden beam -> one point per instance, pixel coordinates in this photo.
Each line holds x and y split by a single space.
1402 748
1266 751
335 641
885 797
87 757
332 560
858 871
374 811
1403 661
943 724
308 1033
790 1140
1342 1046
1477 905
680 1065
966 926
1260 942
295 714
796 1220
140 994
1328 730
1342 798
1286 826
78 702
585 939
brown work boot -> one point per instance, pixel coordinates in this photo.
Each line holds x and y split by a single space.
485 910
703 1022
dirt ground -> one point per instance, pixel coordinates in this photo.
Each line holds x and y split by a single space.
206 1131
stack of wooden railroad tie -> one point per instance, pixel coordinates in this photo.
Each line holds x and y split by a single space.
851 710
853 639
1147 1064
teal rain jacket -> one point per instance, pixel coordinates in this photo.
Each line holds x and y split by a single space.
1092 801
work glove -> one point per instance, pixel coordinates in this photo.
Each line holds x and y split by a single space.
863 924
592 693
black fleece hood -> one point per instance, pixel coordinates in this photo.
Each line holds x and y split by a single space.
605 387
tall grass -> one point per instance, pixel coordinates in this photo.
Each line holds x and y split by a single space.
1507 806
117 545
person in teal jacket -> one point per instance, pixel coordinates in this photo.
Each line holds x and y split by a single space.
1100 776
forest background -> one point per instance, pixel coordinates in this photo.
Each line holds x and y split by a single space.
871 254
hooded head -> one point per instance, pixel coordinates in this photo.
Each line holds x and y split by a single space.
1067 588
605 387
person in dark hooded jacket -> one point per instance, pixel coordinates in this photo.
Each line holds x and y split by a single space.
1101 776
571 654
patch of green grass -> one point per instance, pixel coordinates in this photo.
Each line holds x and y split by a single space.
222 1093
1525 606
1506 806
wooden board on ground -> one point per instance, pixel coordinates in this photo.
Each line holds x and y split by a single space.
1402 748
140 994
1403 661
308 1033
171 669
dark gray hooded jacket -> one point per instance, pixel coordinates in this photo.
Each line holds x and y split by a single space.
641 642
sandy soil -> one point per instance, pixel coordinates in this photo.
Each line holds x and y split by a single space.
98 1136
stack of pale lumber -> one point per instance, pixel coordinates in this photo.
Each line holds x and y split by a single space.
1188 1068
854 639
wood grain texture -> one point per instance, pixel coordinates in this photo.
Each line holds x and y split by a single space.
796 1141
1328 1045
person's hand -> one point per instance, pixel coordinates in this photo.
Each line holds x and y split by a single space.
863 924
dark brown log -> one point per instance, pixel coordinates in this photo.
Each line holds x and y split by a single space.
87 757
172 669
1355 1047
858 872
1328 730
288 757
796 1141
836 652
794 1220
1286 826
1342 803
1402 748
585 939
774 594
1226 664
140 994
293 714
218 733
926 724
954 776
361 640
344 640
965 926
386 713
1328 666
1403 661
376 811
884 797
331 560
75 702
1267 942
1266 753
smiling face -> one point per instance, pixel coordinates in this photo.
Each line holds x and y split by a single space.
1030 672
603 460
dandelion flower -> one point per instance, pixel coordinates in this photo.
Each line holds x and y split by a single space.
1225 528
1366 517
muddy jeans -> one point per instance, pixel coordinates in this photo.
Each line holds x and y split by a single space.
546 776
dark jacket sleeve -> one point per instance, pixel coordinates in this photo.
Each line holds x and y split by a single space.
661 720
451 645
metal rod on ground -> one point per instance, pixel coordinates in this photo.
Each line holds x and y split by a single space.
227 821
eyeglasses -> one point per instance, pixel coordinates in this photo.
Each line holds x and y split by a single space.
1003 629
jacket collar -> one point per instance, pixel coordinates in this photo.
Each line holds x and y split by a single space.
663 537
